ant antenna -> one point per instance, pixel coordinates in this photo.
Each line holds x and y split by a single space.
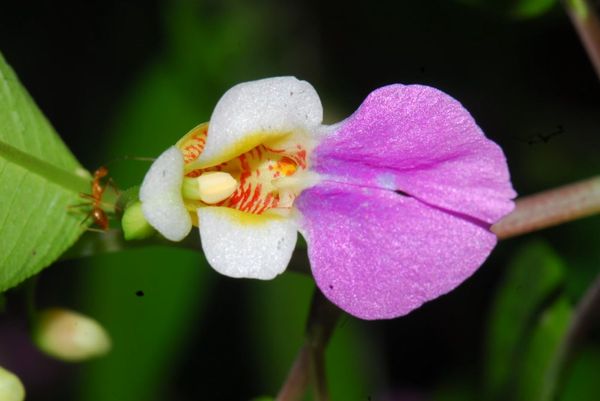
127 157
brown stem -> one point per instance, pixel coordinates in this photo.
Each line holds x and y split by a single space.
318 374
585 314
297 379
550 208
310 361
586 22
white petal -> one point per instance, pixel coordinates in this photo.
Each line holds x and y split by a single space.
239 244
160 194
260 111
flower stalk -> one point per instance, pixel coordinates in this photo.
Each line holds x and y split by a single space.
309 365
550 208
587 25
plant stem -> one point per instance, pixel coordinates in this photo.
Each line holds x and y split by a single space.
297 379
532 213
586 22
550 208
318 374
30 289
585 314
310 360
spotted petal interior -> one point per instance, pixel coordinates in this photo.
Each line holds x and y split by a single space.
258 171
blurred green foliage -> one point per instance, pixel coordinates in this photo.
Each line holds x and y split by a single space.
529 324
182 332
534 275
582 382
515 8
538 373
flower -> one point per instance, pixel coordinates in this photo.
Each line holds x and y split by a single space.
70 336
11 388
395 202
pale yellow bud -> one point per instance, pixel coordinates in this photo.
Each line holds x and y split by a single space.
211 187
70 336
11 388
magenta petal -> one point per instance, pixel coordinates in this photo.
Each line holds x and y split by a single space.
379 255
419 140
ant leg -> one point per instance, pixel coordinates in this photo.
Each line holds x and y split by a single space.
95 230
87 216
77 206
90 228
111 183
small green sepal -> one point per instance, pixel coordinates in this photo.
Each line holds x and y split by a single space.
135 226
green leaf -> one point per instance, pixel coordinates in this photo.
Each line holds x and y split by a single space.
457 388
39 180
538 373
534 275
582 382
514 8
352 362
277 328
532 8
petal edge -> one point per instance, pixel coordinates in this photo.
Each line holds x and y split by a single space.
244 245
160 193
380 255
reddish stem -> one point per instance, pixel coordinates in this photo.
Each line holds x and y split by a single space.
550 208
297 379
587 25
310 361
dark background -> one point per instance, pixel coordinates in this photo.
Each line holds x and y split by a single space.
122 78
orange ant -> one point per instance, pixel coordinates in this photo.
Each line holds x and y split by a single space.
95 198
96 212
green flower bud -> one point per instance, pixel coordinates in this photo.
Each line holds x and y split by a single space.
70 336
134 223
11 388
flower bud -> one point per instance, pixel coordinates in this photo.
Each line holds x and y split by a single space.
70 336
134 223
11 388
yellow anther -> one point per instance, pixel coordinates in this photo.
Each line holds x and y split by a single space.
211 187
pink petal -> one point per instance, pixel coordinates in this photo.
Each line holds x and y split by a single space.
419 140
380 255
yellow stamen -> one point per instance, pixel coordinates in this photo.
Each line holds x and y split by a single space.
211 187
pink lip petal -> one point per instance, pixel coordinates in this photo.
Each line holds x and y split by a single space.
419 140
379 255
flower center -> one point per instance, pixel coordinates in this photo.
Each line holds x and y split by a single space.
267 178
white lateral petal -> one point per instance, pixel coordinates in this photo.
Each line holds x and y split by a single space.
162 203
239 244
256 112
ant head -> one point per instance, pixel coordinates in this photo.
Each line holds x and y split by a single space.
101 172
